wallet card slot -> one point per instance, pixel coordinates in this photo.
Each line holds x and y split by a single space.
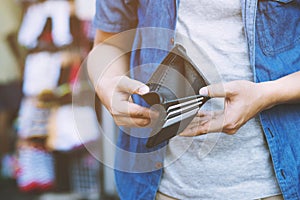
183 110
174 87
179 118
184 104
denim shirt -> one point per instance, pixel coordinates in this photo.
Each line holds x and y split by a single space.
272 30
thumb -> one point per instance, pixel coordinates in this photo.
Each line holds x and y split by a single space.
132 86
214 90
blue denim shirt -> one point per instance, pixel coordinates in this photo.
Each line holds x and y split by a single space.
273 34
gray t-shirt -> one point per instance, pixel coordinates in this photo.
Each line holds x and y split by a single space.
216 165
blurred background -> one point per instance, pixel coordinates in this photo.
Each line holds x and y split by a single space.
43 44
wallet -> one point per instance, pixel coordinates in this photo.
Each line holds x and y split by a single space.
174 88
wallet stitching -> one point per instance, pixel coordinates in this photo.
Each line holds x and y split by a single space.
163 78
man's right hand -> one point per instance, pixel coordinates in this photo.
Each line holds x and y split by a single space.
115 94
108 66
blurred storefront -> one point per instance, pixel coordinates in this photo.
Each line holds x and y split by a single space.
43 44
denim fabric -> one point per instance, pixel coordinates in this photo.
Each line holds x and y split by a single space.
272 29
278 54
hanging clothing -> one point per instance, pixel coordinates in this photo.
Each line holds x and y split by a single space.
35 20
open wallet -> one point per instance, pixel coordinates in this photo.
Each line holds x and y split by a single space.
174 88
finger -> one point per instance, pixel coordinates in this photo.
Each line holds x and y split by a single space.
197 122
136 111
132 86
193 128
215 124
204 113
132 122
212 122
214 90
210 114
200 120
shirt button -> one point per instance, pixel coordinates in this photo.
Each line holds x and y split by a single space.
172 41
283 173
158 165
270 132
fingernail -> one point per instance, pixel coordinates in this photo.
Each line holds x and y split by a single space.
203 91
143 90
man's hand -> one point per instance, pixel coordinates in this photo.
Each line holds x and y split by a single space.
114 93
108 66
243 100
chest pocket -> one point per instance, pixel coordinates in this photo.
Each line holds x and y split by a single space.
278 25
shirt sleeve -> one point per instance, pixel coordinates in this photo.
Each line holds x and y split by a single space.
115 15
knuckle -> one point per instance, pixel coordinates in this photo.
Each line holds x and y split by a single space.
231 128
196 131
114 113
144 122
230 90
118 122
230 131
140 112
137 113
230 125
140 122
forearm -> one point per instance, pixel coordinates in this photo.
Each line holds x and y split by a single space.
108 67
283 90
106 60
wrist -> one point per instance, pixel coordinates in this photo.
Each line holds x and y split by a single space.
271 94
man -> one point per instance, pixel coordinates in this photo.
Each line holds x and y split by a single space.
274 65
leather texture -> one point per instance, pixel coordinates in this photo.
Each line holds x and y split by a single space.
176 81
